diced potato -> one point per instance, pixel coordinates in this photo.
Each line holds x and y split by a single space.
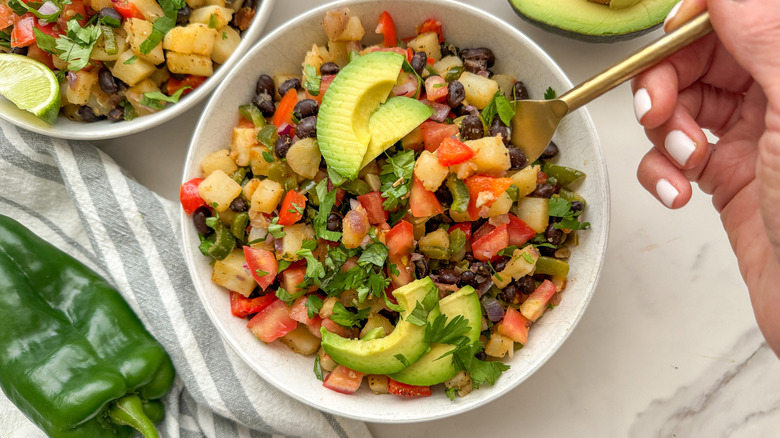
502 205
267 196
462 216
216 17
435 239
499 345
232 273
353 32
78 93
250 187
479 89
294 235
130 69
218 160
462 382
533 211
492 157
525 180
374 181
194 38
135 95
97 5
304 157
180 63
327 306
160 76
301 341
138 31
378 383
257 160
315 58
428 43
225 44
338 52
150 9
326 362
220 189
444 65
505 84
216 3
375 321
242 141
194 4
517 266
428 170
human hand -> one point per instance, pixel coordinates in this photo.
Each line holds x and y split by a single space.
729 83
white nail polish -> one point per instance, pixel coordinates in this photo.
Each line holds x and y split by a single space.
672 13
679 146
642 103
666 192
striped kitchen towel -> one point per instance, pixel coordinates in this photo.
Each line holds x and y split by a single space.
77 198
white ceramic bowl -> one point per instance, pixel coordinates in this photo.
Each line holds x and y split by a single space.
65 128
283 51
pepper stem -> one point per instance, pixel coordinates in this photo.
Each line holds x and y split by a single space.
129 411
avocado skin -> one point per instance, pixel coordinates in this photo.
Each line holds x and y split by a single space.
561 30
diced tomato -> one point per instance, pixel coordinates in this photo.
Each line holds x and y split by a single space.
463 226
409 54
400 239
51 29
284 111
6 16
36 53
434 132
422 202
536 303
189 197
343 380
519 231
435 88
300 312
314 326
398 388
292 208
273 322
71 10
491 187
22 34
263 265
431 25
514 326
404 270
241 306
487 247
452 152
292 277
386 27
481 231
324 84
190 81
127 9
372 202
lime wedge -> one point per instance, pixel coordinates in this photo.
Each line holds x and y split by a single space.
30 85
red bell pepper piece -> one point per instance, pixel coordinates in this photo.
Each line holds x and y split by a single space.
431 25
127 9
190 81
284 111
434 133
292 208
452 152
463 226
492 186
386 27
189 197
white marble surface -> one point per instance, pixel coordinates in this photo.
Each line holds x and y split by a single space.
668 346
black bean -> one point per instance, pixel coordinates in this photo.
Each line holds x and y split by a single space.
110 13
510 293
265 104
289 84
19 51
550 151
448 50
87 114
183 16
443 195
329 68
250 4
471 128
479 53
106 80
481 268
431 225
116 114
543 190
481 355
199 217
460 110
525 285
265 85
455 93
500 263
519 91
447 276
419 61
577 206
307 127
239 204
474 65
554 235
282 146
305 108
421 268
517 158
334 222
468 278
499 128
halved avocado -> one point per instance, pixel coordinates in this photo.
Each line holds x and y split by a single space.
380 355
432 368
602 21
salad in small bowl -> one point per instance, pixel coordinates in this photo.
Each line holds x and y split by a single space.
360 223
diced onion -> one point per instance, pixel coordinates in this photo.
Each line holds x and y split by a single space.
441 112
48 8
284 129
493 309
407 89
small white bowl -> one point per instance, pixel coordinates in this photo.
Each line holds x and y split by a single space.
465 26
100 130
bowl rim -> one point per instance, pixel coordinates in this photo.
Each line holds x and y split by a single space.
499 389
109 130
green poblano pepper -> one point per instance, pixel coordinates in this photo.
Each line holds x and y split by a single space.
74 358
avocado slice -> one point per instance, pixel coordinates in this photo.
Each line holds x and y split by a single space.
380 355
354 95
592 21
394 119
431 368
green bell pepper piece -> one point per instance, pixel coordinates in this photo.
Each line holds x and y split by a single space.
565 176
224 242
253 114
551 266
239 224
74 358
460 193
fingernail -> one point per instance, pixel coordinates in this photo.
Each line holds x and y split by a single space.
679 146
642 103
666 192
672 13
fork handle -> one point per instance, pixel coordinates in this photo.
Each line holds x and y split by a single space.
647 57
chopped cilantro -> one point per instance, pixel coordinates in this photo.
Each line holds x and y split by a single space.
501 106
327 200
47 43
446 331
313 80
549 93
157 100
261 273
480 371
318 368
561 208
314 268
75 46
313 305
396 177
528 257
401 358
375 254
131 60
344 317
275 229
267 156
285 296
